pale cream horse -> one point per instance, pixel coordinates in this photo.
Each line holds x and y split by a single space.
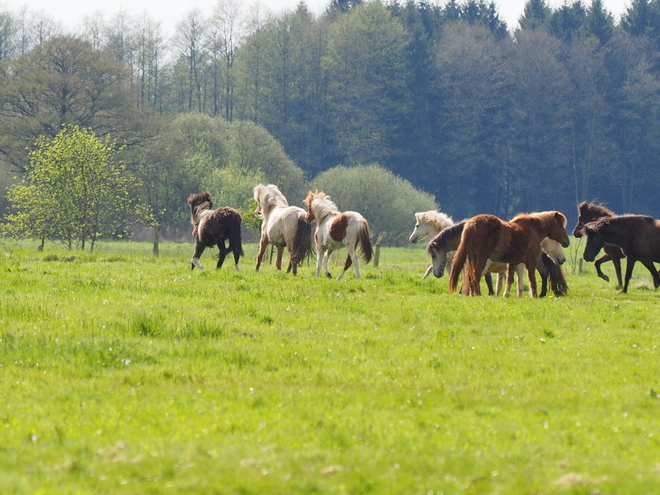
282 226
429 224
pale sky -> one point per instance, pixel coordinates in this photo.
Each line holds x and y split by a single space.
169 12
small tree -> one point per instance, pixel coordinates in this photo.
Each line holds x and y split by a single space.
74 190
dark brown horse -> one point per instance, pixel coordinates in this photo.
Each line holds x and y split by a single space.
214 227
637 235
518 241
590 212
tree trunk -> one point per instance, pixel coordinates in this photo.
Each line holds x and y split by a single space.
156 249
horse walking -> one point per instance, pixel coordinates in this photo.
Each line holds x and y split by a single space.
548 263
429 224
590 212
214 227
637 235
283 226
518 241
335 230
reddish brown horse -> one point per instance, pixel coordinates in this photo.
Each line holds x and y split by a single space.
518 241
637 235
590 212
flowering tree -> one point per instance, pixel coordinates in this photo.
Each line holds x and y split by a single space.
74 190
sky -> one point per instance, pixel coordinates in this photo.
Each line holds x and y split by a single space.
71 13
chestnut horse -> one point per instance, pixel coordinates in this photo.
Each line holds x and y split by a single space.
335 230
214 227
429 224
548 265
590 212
283 226
637 235
518 241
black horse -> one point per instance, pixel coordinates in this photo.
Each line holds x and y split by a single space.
214 227
590 212
637 235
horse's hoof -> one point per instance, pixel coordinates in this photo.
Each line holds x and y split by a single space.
604 277
329 275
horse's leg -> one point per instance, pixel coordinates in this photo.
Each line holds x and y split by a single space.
320 254
654 273
489 283
428 270
326 259
480 266
599 272
222 255
617 268
520 270
263 244
194 262
531 274
347 265
629 269
293 266
278 260
510 269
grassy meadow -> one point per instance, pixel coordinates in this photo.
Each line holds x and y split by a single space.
121 373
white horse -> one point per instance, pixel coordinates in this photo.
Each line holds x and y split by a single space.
283 226
335 230
429 224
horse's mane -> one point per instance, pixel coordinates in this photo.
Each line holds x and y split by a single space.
546 218
447 235
596 225
594 210
322 203
199 202
436 218
268 197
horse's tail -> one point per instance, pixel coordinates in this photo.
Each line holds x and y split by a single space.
364 241
302 242
460 258
235 237
558 282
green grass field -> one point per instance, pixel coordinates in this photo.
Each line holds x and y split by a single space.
125 374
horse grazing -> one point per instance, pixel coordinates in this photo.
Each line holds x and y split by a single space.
518 241
335 230
637 235
429 224
283 226
552 255
214 227
590 212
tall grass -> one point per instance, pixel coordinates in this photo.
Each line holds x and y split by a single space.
123 373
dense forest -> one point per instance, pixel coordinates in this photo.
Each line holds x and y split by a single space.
484 117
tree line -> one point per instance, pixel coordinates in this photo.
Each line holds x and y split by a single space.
484 117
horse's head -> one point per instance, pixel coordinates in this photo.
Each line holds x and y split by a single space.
557 229
309 202
438 258
595 240
420 231
199 202
553 249
587 213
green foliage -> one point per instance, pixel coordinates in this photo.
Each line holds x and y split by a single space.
388 202
126 374
74 191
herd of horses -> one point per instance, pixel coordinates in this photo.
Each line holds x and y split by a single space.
476 247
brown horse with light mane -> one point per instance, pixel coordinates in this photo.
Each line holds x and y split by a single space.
637 235
518 241
590 212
